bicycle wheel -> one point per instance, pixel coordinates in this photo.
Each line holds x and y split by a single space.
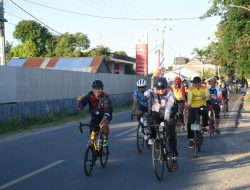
158 159
140 138
89 160
104 154
195 144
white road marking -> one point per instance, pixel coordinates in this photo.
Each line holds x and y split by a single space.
125 132
13 182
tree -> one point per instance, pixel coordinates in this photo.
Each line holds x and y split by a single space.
232 46
32 31
9 54
27 49
100 51
71 45
121 52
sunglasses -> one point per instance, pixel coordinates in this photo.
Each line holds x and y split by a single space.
162 88
142 87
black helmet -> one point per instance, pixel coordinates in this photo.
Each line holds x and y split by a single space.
97 83
161 82
196 80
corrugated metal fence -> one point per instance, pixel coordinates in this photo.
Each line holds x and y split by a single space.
28 92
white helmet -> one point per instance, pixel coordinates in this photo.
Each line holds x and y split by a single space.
141 83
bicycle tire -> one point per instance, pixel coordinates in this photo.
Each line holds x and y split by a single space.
157 158
89 160
104 154
195 144
140 138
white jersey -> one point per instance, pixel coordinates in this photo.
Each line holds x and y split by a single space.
162 103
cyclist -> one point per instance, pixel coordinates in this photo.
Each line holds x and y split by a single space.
140 102
180 94
197 98
162 108
225 94
215 100
100 108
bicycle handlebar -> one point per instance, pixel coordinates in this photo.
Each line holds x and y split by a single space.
84 125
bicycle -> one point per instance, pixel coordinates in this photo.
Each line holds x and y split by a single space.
143 132
224 106
198 137
94 149
211 121
162 152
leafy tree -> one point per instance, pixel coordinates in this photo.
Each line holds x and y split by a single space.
121 52
71 45
32 31
232 47
27 49
9 54
100 51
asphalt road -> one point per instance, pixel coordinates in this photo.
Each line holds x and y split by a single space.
52 158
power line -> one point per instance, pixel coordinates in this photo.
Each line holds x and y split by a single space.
35 18
115 18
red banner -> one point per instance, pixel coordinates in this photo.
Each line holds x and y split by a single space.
142 59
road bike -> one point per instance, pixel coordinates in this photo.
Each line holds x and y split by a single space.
198 136
162 152
211 120
224 106
95 149
143 133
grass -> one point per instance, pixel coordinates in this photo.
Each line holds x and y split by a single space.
247 98
15 124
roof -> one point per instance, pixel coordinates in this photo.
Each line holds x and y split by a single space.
84 64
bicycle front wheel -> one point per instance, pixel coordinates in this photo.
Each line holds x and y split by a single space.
140 138
89 160
196 144
158 158
104 154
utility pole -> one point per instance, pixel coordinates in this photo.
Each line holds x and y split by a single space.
2 35
162 44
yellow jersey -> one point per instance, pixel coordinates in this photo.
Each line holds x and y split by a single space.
194 96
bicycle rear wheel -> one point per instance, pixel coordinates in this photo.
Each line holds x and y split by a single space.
89 160
104 154
140 138
158 159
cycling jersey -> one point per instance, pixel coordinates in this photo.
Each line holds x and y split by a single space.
140 98
162 103
179 93
225 92
213 95
98 107
218 93
195 96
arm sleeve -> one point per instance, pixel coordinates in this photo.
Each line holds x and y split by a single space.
85 100
135 96
190 97
169 105
183 92
108 109
207 94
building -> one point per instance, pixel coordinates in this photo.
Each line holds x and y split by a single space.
118 64
187 69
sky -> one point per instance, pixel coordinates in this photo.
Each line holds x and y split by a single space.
181 36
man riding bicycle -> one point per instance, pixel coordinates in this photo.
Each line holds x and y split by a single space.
140 102
215 101
180 96
161 106
225 94
100 108
197 99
